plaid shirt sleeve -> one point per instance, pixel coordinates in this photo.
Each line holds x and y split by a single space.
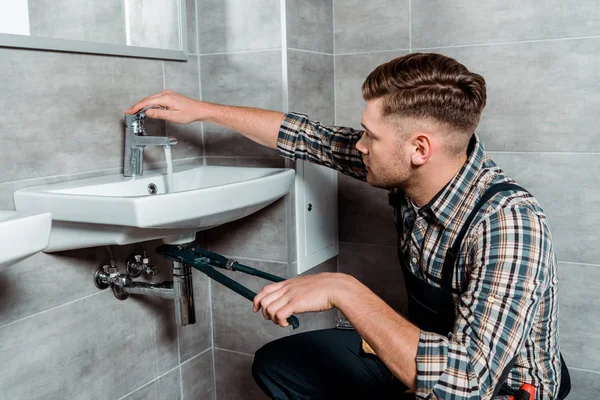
333 147
509 260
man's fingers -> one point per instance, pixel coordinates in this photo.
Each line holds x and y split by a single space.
274 306
264 292
154 100
283 314
157 114
266 301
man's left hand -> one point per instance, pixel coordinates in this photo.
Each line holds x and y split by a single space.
298 295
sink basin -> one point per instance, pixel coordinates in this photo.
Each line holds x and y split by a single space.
117 210
22 235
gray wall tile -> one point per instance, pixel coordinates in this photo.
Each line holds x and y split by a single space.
77 346
579 315
234 377
378 268
567 189
236 25
585 385
541 96
350 73
154 23
96 21
261 235
311 85
370 25
74 123
197 377
310 25
167 387
365 215
270 162
249 79
184 78
192 28
456 22
25 291
236 326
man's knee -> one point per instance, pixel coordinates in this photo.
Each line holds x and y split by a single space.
260 365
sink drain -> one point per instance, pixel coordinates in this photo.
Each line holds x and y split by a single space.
152 189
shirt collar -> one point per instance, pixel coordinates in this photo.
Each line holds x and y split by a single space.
451 199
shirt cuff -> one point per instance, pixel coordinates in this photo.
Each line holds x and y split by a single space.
432 360
288 134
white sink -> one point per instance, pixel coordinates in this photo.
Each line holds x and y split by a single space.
22 235
118 210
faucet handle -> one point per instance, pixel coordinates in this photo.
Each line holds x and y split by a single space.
136 121
142 112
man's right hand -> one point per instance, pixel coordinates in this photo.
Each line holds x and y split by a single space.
177 108
261 126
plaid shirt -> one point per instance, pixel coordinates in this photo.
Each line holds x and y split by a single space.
504 283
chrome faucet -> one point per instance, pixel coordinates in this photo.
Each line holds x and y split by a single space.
136 139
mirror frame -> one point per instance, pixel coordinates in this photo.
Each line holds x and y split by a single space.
77 46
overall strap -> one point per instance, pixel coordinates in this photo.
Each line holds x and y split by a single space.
452 254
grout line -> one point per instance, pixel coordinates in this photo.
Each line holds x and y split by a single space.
367 244
164 374
164 81
505 43
578 263
239 52
63 175
310 51
334 64
586 153
583 370
197 49
149 382
235 352
410 26
285 95
179 364
371 52
196 356
248 157
199 66
212 337
53 308
410 49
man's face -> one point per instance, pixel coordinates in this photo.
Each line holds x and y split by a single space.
383 149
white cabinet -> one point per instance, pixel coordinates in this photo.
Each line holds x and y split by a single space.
316 215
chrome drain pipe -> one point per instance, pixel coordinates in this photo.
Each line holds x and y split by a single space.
185 312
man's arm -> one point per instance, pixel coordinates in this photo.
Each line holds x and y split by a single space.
261 126
293 135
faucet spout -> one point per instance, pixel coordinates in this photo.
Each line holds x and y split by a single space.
136 139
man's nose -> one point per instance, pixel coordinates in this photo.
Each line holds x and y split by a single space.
360 145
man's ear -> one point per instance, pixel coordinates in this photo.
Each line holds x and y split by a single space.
421 146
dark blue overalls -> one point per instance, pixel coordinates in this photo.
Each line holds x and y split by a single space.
432 308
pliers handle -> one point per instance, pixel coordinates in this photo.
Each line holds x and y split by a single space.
205 261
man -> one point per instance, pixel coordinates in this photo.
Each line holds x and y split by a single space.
475 249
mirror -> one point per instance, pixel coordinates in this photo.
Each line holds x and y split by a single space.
137 28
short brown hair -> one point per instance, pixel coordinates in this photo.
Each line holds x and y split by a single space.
428 85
